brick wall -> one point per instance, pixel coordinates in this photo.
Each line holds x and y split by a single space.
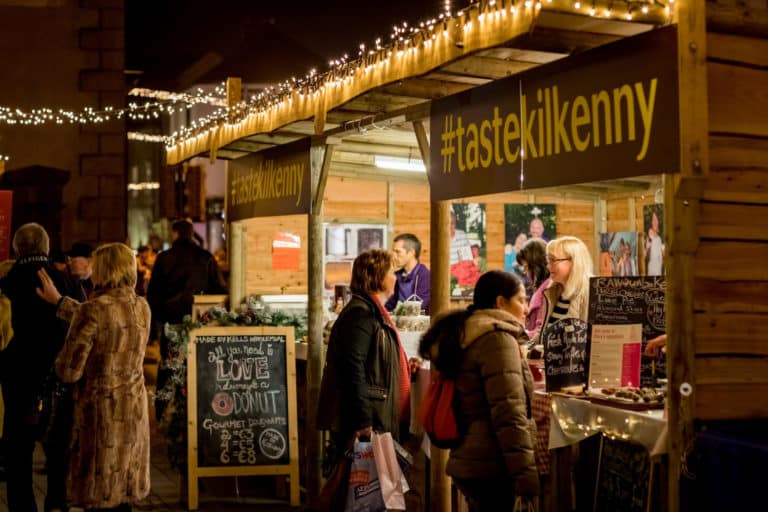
69 54
101 209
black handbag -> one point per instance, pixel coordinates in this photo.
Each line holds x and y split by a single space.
333 495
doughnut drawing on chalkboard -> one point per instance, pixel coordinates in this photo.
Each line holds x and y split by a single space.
222 404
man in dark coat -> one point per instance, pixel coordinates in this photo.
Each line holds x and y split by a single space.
184 270
26 368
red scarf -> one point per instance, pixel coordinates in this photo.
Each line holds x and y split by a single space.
405 371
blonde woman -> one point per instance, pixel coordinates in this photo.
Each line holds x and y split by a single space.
570 267
109 463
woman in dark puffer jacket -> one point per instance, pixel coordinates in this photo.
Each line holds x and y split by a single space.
480 348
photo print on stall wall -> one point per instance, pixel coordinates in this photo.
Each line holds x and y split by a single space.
523 222
653 234
618 254
468 245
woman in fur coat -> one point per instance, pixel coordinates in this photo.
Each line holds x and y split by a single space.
103 354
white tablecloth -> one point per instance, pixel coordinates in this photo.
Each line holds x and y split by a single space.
574 420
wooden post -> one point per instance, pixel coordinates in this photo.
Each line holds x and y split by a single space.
681 212
238 266
320 160
440 281
234 96
440 292
234 91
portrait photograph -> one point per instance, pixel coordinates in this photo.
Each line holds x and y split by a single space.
468 246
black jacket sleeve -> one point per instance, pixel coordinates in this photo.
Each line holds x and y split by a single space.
353 339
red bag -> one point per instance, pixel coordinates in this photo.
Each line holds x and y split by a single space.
437 414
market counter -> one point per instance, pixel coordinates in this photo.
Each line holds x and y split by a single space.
574 419
599 457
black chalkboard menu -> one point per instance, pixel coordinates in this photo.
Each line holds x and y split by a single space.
632 300
566 353
623 477
242 406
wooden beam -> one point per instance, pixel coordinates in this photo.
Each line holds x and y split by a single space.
681 215
407 114
376 102
320 158
424 88
486 67
561 41
247 146
457 78
440 279
368 172
373 148
317 201
270 138
519 55
423 140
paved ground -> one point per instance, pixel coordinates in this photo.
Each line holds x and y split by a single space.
216 494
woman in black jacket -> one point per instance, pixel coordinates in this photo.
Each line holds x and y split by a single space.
366 381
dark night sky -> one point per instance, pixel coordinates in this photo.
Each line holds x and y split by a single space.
171 34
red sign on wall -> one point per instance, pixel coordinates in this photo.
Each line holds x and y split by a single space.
6 208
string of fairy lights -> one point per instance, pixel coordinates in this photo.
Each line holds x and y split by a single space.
404 39
166 102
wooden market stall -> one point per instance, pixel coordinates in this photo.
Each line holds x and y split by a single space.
715 204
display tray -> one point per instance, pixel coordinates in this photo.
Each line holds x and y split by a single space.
596 396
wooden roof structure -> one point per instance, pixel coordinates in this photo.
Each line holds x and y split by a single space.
377 119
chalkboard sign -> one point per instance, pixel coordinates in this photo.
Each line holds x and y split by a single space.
623 479
632 300
566 353
242 403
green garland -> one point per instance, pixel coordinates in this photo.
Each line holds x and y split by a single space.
173 423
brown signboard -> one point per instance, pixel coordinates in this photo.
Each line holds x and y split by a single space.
611 112
275 181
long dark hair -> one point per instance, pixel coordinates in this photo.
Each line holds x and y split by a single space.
534 255
492 284
441 344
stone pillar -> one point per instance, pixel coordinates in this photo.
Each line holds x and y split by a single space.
102 205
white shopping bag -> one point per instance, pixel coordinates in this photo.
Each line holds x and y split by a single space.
391 480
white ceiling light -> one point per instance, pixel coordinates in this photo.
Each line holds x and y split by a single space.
397 163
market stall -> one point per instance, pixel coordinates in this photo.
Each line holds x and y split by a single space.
714 301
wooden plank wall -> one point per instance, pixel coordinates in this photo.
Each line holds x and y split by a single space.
350 200
261 279
731 269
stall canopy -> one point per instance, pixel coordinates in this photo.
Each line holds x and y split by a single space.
368 111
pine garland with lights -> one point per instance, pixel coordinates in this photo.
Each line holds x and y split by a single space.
173 423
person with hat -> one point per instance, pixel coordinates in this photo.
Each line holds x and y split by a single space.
59 260
80 266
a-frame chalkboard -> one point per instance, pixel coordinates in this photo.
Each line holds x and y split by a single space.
241 405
